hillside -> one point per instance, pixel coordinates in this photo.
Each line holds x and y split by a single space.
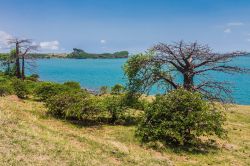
30 137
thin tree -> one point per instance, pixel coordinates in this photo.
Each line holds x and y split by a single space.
165 63
22 47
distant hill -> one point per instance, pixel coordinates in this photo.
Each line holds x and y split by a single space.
80 54
76 54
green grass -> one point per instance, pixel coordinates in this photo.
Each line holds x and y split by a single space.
29 137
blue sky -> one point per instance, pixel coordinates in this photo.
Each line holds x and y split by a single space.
133 25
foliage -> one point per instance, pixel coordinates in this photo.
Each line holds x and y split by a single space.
135 101
20 88
104 90
137 69
117 89
5 90
180 117
80 54
72 85
115 106
80 105
180 64
48 89
6 62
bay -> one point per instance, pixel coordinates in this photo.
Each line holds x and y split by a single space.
94 73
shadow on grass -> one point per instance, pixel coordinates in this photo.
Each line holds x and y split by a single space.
201 147
95 122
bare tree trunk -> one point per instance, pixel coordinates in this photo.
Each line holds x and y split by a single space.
188 82
17 72
23 69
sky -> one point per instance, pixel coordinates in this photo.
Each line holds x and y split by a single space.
135 25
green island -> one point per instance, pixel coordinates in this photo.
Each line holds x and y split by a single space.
80 54
76 54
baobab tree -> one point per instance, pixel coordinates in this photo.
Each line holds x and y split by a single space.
185 65
22 48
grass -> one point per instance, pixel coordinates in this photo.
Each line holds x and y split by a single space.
29 137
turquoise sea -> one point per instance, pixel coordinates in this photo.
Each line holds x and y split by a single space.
93 73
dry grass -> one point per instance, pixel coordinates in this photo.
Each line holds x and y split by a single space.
29 137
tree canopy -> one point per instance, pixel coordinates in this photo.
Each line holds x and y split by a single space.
181 64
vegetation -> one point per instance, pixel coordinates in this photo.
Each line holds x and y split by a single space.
103 90
33 77
80 106
30 137
186 119
166 64
80 54
117 89
72 85
180 117
20 54
20 89
5 90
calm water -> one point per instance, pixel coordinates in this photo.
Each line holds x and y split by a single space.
93 73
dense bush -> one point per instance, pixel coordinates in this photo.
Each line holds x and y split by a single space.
80 105
135 101
114 105
5 90
180 117
20 88
72 85
117 89
47 89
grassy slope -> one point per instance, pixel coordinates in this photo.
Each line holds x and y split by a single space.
28 137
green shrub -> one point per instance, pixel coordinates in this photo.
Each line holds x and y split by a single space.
103 90
47 89
180 117
33 77
117 89
5 90
135 101
20 88
72 85
114 105
80 105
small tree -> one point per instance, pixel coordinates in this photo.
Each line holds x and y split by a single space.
117 89
22 48
165 63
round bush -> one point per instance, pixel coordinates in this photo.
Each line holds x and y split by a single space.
114 105
117 89
180 117
20 88
80 105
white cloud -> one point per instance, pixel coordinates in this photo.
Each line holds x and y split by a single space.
248 40
4 37
235 24
49 45
103 41
227 30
